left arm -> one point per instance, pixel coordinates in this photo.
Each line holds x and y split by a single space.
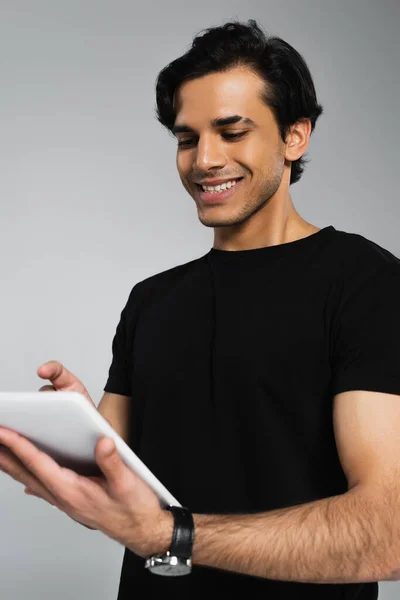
350 538
341 539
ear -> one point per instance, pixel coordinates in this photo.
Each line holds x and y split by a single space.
297 139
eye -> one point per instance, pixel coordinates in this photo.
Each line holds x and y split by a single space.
228 136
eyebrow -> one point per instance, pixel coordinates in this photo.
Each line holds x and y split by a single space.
216 123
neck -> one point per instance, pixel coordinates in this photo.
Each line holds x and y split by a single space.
275 223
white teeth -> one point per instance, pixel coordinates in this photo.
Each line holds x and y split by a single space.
219 188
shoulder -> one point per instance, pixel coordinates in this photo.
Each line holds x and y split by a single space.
154 284
357 254
367 274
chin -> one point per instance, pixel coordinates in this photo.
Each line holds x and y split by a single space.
223 221
225 215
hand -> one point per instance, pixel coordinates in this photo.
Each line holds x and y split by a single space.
62 380
121 505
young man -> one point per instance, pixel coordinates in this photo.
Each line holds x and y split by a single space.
258 372
260 383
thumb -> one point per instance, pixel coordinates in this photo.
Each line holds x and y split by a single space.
62 379
110 461
57 373
106 447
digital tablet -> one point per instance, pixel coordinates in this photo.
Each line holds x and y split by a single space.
67 427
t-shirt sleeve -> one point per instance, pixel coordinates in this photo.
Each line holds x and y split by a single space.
366 340
119 374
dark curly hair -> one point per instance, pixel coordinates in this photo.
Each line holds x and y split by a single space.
289 89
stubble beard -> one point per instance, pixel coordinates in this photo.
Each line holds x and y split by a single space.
250 207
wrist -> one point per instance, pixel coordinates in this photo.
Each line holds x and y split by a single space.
176 559
161 538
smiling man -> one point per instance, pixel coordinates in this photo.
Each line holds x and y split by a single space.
234 165
260 382
263 378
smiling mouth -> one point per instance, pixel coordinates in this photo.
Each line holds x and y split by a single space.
200 186
215 198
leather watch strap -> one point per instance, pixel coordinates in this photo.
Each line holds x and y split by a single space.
183 536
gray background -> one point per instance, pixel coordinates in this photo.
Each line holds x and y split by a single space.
91 201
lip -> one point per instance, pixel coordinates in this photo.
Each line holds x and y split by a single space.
213 198
218 181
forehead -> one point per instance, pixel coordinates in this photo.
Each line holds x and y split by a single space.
237 91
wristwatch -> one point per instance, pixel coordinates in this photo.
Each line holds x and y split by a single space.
178 560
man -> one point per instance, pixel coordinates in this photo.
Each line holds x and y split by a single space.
260 383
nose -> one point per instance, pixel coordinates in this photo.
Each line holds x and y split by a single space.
209 155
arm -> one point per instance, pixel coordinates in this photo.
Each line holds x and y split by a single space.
333 540
350 538
115 408
340 539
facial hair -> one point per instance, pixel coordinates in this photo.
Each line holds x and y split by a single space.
250 206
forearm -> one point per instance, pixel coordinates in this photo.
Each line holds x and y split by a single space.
341 539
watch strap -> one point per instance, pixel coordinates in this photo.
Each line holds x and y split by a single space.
183 535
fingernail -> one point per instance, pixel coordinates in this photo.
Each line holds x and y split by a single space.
108 448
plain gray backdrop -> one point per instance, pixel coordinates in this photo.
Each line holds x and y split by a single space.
91 202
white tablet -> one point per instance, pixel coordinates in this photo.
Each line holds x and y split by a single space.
67 427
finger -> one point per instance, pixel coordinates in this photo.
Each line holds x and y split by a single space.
47 388
54 478
121 483
30 492
96 479
117 475
57 373
13 467
62 379
80 523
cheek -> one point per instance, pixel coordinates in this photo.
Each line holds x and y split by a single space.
183 163
255 156
262 159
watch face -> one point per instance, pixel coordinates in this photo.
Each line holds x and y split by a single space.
169 566
172 570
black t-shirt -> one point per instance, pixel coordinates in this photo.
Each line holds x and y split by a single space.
232 361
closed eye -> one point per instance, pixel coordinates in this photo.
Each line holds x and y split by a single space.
227 136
